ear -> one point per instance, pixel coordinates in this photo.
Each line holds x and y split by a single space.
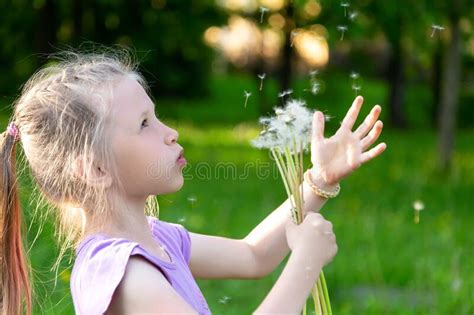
97 176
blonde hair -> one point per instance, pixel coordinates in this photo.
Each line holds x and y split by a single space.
63 115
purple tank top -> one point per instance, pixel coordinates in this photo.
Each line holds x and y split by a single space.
101 261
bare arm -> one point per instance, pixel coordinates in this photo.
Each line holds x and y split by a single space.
145 290
253 257
292 288
268 240
313 245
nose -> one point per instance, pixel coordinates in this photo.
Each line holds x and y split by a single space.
172 136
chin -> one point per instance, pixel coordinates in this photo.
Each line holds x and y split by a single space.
172 186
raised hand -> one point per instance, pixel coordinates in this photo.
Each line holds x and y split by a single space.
338 156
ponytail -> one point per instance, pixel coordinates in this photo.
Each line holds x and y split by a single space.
14 287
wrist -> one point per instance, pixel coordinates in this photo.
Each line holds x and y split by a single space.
319 181
323 189
305 255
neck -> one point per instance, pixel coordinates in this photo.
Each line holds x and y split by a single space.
126 220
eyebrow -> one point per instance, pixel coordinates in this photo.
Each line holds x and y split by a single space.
153 109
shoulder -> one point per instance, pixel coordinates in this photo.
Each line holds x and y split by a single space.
97 271
172 234
144 289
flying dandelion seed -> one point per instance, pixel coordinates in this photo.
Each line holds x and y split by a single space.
285 93
182 220
345 5
261 77
418 206
292 37
224 299
436 28
262 12
354 75
192 200
353 15
315 87
342 29
246 95
356 88
328 117
313 73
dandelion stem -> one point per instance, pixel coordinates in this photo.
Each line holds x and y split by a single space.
326 295
321 295
280 163
317 303
301 171
293 182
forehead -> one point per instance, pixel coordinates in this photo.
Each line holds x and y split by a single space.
128 101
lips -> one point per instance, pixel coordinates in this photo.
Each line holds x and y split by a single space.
181 155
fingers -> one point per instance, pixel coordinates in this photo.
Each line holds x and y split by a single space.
374 152
369 122
354 151
353 112
318 126
319 222
372 136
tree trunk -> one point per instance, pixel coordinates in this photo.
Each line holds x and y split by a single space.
286 71
77 21
45 37
436 83
450 91
396 78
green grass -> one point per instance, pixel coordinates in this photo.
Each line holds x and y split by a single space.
386 264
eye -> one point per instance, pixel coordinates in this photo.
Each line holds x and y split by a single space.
145 121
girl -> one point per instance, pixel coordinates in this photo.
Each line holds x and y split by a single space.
99 155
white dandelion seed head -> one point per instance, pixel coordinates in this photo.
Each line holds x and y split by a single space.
356 87
328 117
342 28
313 73
345 4
247 94
437 27
285 93
354 75
290 128
224 299
315 88
418 205
264 120
262 76
353 15
264 9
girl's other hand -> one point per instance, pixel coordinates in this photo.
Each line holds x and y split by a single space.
338 156
314 238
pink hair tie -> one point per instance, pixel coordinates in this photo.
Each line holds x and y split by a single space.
13 130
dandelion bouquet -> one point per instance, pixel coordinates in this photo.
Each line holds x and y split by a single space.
287 136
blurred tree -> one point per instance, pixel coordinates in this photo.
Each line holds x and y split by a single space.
166 35
450 87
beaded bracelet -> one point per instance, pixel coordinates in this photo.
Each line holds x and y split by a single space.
318 191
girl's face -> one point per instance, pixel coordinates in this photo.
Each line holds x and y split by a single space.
145 149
